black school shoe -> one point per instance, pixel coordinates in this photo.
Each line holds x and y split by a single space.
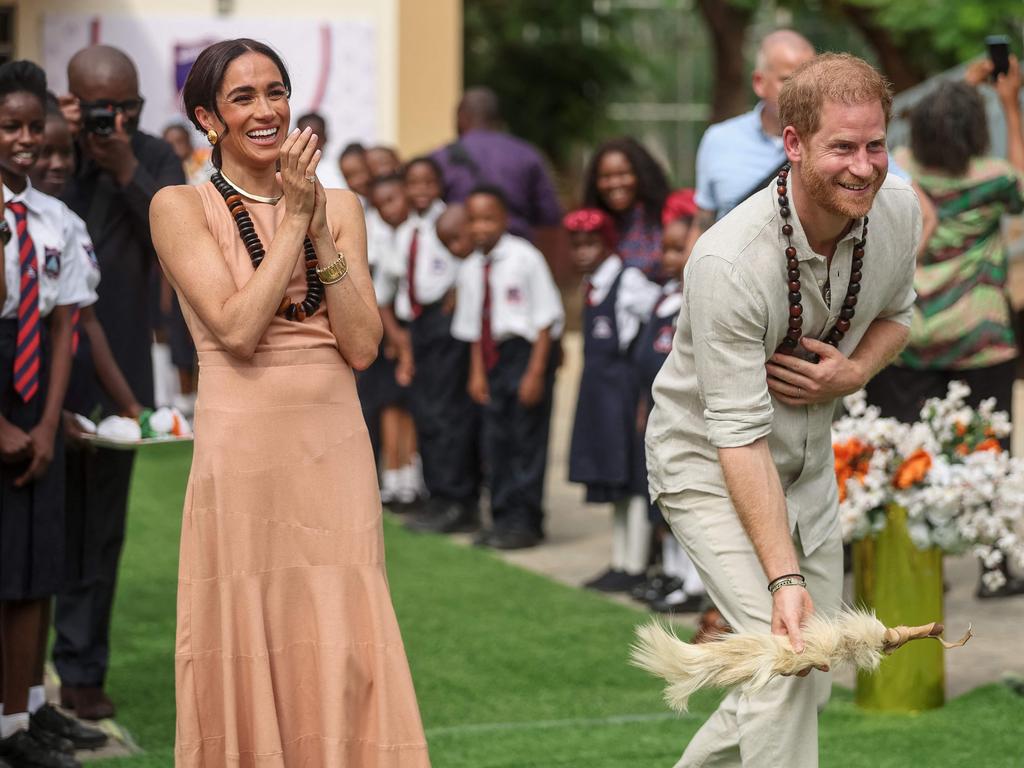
446 517
655 588
48 719
22 750
678 602
513 538
614 581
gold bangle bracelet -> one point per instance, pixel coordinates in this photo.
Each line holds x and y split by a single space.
334 272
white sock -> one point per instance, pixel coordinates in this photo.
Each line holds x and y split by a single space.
417 465
638 535
619 536
11 724
391 478
36 698
692 582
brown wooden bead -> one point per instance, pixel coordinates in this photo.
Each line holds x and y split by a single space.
851 301
796 310
794 285
854 289
790 252
298 313
787 229
793 264
858 253
788 342
857 265
781 190
794 297
846 313
843 325
855 276
793 274
793 333
796 322
784 173
285 303
784 212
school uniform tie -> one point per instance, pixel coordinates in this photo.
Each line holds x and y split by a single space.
76 318
26 356
588 289
414 247
487 345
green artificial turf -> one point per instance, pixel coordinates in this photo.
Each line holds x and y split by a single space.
512 670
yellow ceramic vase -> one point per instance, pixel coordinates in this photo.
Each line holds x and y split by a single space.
903 584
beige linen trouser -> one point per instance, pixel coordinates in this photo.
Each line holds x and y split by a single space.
778 727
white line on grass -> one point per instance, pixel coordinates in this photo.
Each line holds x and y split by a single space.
575 722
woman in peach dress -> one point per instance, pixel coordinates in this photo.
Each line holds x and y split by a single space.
288 653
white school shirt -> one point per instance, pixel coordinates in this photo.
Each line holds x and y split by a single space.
634 302
524 297
436 268
380 240
62 253
671 300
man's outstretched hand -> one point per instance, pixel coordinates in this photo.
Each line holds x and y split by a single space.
795 381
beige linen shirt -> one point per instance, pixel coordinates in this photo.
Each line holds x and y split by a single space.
712 391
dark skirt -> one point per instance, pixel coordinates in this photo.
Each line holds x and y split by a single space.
32 523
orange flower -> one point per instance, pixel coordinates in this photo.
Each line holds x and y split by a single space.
913 470
851 462
989 445
961 429
962 449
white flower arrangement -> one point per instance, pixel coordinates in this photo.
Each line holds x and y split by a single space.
960 489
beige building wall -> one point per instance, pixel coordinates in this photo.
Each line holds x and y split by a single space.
419 50
429 72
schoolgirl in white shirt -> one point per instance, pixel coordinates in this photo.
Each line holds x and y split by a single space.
44 276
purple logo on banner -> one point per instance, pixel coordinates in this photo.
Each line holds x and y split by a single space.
185 55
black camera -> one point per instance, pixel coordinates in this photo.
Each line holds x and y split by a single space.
99 119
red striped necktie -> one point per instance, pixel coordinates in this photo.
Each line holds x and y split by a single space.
487 343
26 357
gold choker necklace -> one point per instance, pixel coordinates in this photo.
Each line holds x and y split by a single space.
250 195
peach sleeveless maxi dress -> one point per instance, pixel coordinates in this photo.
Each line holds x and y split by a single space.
288 653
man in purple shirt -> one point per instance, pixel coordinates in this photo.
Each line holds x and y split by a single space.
484 154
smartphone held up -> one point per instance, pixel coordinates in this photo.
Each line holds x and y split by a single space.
999 53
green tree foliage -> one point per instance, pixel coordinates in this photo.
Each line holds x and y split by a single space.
913 40
553 64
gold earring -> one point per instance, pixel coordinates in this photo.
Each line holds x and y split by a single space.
211 136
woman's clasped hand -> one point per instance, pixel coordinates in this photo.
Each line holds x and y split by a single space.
297 175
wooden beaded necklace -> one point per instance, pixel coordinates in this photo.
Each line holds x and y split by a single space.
253 245
796 310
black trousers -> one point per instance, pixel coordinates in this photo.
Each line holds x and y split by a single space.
97 501
447 419
516 440
900 392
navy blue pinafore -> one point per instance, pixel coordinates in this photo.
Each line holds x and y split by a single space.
652 348
603 453
653 345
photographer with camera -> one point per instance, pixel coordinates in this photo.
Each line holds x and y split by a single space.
119 169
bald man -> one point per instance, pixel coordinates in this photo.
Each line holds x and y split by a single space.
119 170
739 156
735 155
